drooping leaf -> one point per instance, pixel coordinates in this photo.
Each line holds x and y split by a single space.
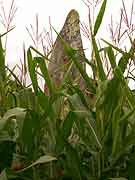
123 62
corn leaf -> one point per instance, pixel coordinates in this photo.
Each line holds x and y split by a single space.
100 17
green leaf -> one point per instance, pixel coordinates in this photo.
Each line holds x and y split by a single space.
27 99
73 157
14 75
131 169
10 114
81 96
101 73
14 113
111 57
72 54
125 59
128 92
2 63
45 73
68 124
114 47
126 116
30 132
67 73
32 72
100 17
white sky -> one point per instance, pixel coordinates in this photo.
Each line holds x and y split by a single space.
57 10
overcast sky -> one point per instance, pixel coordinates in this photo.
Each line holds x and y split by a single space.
57 10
